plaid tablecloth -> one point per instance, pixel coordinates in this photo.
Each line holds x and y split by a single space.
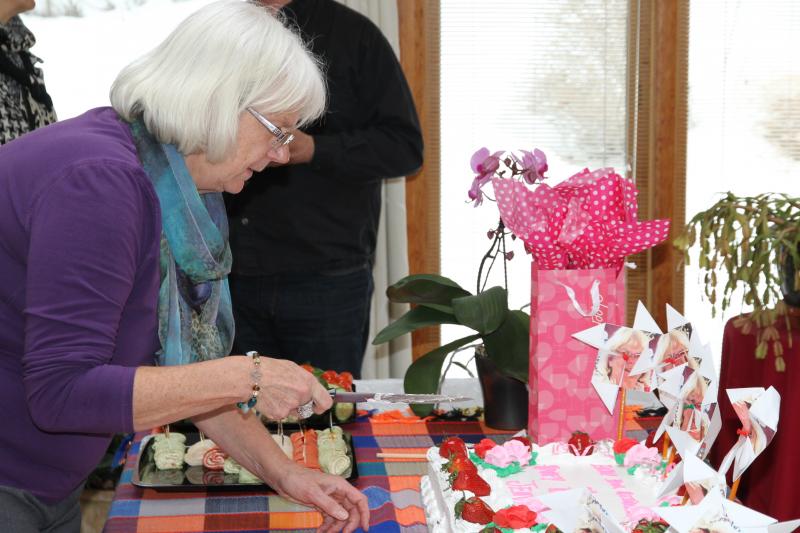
392 486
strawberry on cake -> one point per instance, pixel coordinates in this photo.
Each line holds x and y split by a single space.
513 485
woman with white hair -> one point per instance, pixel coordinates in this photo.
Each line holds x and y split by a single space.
618 357
673 350
691 415
114 254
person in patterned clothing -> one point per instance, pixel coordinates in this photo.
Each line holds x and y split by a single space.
24 102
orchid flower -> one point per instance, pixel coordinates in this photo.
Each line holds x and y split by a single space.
534 165
484 165
530 165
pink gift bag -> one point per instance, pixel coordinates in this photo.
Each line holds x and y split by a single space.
562 398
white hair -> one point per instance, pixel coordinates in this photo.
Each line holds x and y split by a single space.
230 55
664 342
609 349
695 381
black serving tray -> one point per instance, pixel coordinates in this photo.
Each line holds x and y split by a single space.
192 478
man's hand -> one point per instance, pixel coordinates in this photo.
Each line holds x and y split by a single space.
301 149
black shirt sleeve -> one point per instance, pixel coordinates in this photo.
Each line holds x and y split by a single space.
371 131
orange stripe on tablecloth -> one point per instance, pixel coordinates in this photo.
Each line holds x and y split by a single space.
170 524
398 483
410 516
302 520
382 429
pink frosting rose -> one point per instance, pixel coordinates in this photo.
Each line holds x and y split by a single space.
641 454
513 450
518 451
498 456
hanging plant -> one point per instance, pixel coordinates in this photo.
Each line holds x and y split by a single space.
754 240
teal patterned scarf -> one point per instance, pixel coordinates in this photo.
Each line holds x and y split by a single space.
195 318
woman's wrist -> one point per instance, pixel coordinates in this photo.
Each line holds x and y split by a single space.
278 468
252 380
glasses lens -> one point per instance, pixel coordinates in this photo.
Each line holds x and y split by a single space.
281 137
282 140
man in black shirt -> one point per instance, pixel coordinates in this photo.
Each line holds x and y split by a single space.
303 235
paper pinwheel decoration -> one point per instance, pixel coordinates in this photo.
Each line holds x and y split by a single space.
693 422
759 410
624 356
698 477
718 515
578 509
688 387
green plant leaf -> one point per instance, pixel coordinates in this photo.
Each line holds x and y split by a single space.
422 377
425 289
440 307
483 312
509 346
416 318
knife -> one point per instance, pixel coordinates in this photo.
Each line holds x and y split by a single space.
388 397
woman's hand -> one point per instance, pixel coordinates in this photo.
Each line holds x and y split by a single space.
743 412
343 507
286 386
696 492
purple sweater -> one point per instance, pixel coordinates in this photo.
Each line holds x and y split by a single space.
79 273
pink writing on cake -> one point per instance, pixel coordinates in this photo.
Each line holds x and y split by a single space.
522 494
606 471
631 504
611 476
549 472
615 483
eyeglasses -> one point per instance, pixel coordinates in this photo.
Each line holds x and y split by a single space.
281 137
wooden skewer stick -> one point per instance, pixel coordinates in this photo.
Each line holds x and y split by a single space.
671 456
734 488
666 446
621 426
396 455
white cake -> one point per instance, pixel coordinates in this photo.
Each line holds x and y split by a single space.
627 497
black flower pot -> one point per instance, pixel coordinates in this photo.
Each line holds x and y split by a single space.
505 399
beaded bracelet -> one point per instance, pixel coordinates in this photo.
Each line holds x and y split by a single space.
255 375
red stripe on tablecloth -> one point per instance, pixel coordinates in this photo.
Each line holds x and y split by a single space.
237 521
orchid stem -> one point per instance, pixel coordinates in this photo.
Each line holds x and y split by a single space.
499 240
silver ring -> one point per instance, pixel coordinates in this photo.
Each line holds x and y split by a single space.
305 410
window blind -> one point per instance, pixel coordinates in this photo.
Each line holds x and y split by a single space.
744 117
517 74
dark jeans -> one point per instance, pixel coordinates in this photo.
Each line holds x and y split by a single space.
317 318
22 512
